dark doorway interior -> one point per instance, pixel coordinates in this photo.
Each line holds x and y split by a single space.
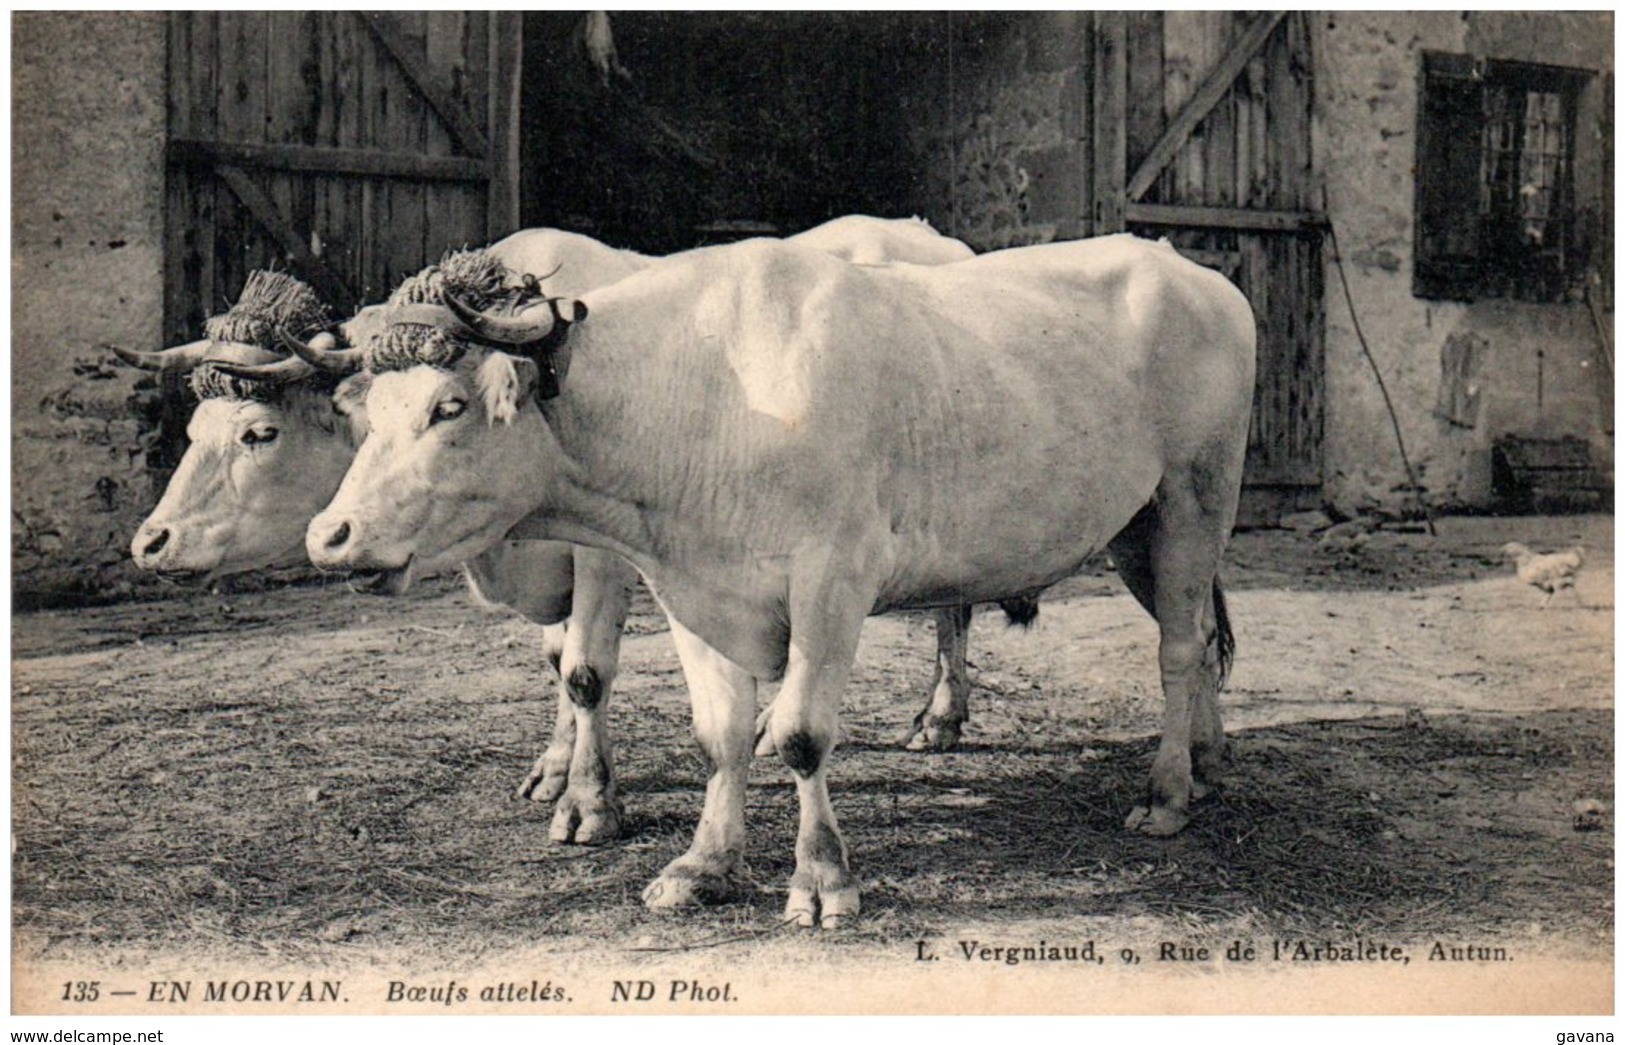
704 127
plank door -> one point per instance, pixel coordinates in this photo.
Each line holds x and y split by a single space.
1202 134
348 148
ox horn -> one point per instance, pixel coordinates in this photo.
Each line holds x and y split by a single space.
283 371
321 352
181 357
533 324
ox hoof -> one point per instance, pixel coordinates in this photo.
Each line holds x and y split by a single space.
822 908
545 782
1207 769
932 734
1157 821
687 884
592 820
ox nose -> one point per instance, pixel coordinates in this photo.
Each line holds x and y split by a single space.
338 538
328 539
148 544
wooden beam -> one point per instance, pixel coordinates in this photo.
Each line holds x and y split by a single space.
306 159
328 284
1201 103
1110 136
1224 217
506 33
420 74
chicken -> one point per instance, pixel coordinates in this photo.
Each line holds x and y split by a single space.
1550 573
1588 814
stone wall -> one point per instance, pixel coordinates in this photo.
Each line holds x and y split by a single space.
992 123
88 122
1461 374
995 120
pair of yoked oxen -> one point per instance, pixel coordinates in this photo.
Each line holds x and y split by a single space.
783 437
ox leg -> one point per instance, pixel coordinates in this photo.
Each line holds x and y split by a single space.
764 732
1131 554
825 623
590 812
937 726
724 701
1185 549
1207 729
548 777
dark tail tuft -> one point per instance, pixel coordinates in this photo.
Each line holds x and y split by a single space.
1226 637
1020 612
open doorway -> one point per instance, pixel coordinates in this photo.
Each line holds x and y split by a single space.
661 131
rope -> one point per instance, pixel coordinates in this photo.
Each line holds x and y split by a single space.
1601 329
1382 386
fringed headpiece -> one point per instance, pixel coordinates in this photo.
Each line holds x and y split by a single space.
270 301
472 275
209 381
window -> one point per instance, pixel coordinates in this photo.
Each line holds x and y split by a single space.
1495 179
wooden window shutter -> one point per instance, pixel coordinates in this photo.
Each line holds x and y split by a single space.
1449 162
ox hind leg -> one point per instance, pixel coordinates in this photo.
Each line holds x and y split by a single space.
948 704
589 812
1131 555
724 702
947 709
1188 526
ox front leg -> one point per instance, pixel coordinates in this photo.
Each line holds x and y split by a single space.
824 630
937 726
590 811
550 775
724 701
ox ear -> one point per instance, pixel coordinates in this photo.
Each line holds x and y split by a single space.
504 382
351 393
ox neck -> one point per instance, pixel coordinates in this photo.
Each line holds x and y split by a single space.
601 455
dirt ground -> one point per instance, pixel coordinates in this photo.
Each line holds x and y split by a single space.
307 777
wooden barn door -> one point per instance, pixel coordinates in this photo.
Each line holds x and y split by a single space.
350 149
1202 134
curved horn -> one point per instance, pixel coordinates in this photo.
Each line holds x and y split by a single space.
281 372
321 354
181 357
533 324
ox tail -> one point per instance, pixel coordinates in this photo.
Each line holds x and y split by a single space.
1020 612
1224 636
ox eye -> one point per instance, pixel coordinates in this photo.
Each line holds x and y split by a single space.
447 410
259 436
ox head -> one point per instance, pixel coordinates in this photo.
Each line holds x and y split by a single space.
456 439
267 448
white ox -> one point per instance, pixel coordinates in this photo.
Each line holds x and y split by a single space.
784 444
259 468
